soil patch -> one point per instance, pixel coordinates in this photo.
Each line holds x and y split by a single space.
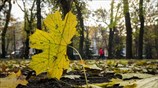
41 81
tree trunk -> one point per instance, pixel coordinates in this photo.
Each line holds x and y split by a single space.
87 44
156 46
5 29
111 37
111 32
26 55
136 48
128 30
39 14
8 43
80 18
148 51
117 45
29 29
65 5
39 26
28 33
141 32
27 48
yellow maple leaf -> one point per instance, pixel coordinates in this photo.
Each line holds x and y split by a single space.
13 80
53 43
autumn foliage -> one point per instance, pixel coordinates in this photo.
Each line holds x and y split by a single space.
53 44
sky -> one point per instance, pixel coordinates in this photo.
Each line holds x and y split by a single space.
92 5
16 11
95 4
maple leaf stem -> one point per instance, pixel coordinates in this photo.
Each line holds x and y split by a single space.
49 52
81 64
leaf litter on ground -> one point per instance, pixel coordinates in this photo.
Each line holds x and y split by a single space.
135 78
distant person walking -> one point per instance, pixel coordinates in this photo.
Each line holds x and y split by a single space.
101 53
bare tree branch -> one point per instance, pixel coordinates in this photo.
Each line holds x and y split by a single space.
20 6
3 4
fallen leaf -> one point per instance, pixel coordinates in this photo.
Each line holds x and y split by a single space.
53 43
72 76
140 75
12 80
151 82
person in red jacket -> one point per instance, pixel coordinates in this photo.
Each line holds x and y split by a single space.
101 53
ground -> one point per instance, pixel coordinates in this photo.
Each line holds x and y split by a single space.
116 73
